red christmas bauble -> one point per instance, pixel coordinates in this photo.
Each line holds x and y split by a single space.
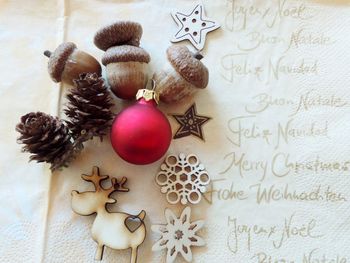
141 134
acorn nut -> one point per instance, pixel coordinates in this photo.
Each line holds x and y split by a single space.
126 63
126 70
182 75
67 62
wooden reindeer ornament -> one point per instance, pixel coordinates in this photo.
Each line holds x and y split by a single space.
114 230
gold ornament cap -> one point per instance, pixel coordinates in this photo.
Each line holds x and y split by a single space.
148 94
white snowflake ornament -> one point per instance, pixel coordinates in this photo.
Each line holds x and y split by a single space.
183 179
193 26
178 235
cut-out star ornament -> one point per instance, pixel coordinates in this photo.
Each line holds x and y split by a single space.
178 235
191 123
193 26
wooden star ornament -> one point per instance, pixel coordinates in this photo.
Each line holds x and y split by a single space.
194 26
178 235
191 123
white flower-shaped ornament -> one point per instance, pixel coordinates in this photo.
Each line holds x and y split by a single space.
178 235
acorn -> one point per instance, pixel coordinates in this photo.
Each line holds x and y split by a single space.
126 70
67 62
182 75
126 63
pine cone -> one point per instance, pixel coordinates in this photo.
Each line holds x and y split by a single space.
88 108
46 138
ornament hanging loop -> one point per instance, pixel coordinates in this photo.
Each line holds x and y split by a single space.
154 85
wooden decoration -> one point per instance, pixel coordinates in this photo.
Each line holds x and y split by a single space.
190 123
194 27
114 230
178 235
183 179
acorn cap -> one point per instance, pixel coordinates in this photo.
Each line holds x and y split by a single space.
119 33
58 59
125 54
188 65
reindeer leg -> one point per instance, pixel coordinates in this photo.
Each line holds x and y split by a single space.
133 254
99 252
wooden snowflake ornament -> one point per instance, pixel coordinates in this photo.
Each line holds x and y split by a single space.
114 230
178 235
183 179
193 26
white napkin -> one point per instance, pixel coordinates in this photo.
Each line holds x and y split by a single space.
278 74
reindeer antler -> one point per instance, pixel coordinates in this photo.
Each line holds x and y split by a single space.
119 186
95 178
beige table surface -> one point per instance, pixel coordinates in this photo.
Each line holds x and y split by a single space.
278 96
